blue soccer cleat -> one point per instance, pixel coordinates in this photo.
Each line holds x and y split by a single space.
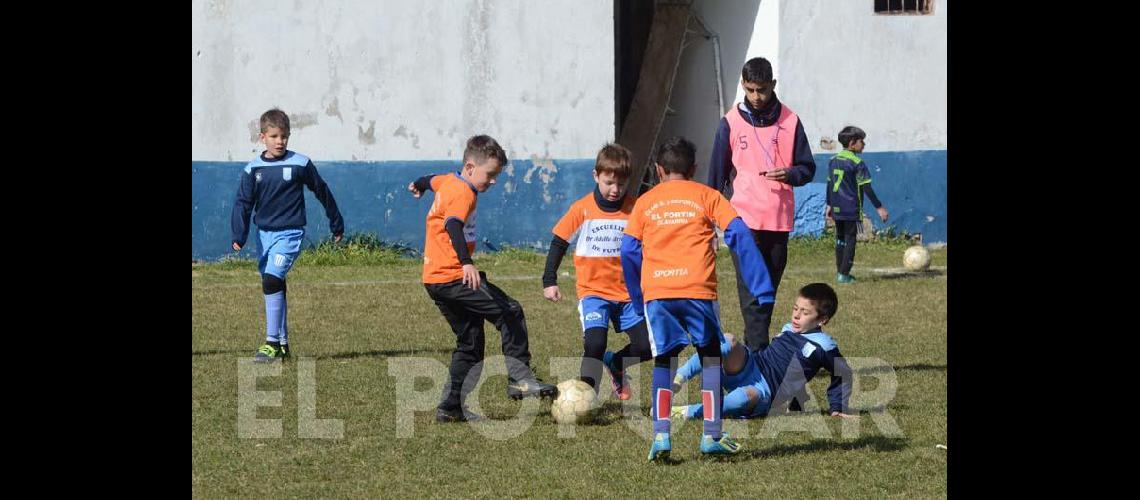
662 445
724 446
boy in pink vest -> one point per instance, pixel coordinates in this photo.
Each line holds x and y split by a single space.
759 154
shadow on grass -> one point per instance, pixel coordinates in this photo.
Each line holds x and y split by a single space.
338 355
919 367
876 443
383 353
895 275
211 352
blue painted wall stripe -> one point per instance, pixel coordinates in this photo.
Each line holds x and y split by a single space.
911 184
522 207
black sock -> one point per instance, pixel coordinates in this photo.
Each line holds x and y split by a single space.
619 357
594 347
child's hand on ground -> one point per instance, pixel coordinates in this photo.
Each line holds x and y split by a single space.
842 415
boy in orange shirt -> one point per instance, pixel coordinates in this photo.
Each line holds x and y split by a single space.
597 221
461 292
668 255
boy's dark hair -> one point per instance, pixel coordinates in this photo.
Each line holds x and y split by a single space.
756 70
678 156
482 147
824 298
851 134
275 118
614 159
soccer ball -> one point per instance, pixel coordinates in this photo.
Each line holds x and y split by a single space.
916 258
576 403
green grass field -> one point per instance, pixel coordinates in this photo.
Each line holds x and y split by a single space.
354 315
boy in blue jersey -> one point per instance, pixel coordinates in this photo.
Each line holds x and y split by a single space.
848 180
754 380
271 186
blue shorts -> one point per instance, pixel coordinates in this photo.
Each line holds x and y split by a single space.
278 250
751 376
596 312
736 388
672 322
740 394
764 399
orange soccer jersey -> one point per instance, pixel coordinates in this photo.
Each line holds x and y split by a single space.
675 222
454 198
597 254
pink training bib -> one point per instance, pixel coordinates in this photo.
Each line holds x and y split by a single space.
763 204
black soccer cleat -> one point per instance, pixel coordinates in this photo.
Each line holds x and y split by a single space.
531 388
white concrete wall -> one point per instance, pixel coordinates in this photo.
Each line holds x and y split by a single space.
765 43
404 80
696 111
842 64
837 63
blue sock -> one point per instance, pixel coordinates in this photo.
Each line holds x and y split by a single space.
736 403
695 411
284 329
711 396
274 304
662 398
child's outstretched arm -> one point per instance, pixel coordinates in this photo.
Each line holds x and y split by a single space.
752 267
420 186
631 270
839 392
